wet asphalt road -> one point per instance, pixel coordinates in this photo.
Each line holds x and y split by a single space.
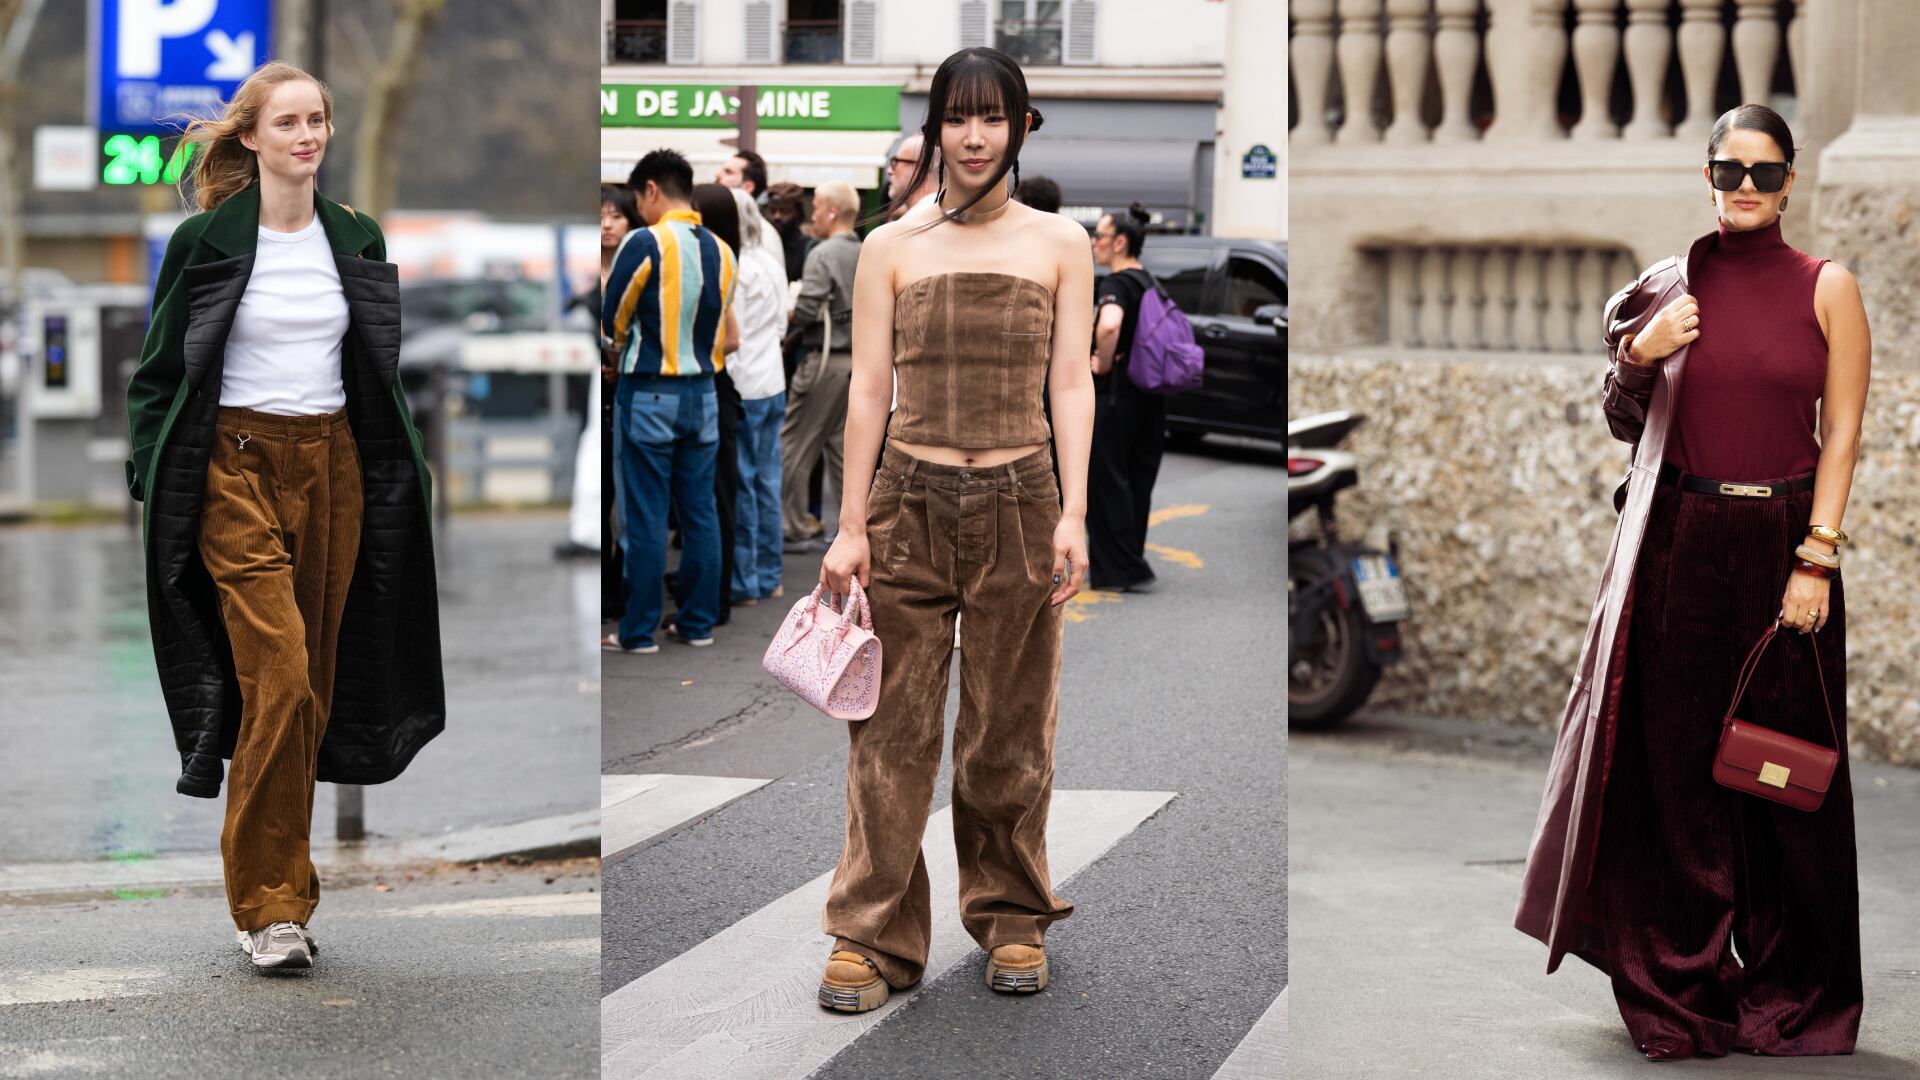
89 765
1179 939
428 974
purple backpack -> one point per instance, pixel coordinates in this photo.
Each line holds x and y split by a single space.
1163 358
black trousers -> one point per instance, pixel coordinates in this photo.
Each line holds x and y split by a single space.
726 485
613 576
1129 438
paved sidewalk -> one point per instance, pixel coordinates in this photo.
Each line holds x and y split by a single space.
451 972
90 764
1406 846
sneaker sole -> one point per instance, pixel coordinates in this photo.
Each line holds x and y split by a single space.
854 999
295 958
1017 980
643 650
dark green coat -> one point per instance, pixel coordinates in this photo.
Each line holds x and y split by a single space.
388 697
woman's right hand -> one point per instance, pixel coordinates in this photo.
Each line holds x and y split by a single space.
847 558
1675 325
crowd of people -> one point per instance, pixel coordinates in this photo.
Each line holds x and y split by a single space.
727 343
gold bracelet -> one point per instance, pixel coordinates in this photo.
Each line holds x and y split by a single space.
1818 558
1831 535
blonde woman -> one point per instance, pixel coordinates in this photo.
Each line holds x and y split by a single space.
268 425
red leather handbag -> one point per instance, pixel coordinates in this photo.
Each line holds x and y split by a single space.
1764 762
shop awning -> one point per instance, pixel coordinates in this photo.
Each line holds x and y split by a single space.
807 158
1163 174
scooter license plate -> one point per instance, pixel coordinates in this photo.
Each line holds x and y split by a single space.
1383 595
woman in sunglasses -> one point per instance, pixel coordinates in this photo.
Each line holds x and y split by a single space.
1725 921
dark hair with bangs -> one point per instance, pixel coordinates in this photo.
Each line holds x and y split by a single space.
620 197
971 82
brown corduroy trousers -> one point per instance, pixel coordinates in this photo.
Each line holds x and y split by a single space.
279 533
948 539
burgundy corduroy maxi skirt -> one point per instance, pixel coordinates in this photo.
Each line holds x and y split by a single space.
1732 922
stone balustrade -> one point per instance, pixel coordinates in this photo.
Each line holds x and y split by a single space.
1408 71
1507 297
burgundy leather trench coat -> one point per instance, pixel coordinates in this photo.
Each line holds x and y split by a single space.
1638 402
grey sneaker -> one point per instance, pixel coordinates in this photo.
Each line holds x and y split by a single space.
281 945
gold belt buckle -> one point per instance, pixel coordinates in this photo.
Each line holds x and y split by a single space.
1760 490
1774 775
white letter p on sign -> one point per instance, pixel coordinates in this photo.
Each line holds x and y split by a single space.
144 24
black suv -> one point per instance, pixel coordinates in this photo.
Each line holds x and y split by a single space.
1235 294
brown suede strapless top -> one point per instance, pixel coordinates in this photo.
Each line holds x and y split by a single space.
970 351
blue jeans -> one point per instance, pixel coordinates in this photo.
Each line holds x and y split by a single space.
667 439
756 546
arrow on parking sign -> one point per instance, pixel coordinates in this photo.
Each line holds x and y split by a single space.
232 57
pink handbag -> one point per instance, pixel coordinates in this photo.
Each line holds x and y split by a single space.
826 657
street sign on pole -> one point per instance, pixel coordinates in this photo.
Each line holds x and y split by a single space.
158 62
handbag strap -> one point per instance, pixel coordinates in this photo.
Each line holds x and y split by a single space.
1752 664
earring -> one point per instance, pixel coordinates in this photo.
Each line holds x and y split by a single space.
1783 204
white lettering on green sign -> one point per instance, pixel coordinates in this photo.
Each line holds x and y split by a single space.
846 108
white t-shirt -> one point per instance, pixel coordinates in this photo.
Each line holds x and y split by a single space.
283 353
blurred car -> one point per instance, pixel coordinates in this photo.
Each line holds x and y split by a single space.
1234 292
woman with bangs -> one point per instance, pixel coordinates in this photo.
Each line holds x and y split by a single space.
267 425
978 307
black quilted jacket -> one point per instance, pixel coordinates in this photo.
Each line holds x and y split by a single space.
388 697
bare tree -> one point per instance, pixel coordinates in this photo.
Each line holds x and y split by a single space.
374 176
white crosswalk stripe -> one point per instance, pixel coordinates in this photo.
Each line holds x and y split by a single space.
741 1005
1262 1055
637 810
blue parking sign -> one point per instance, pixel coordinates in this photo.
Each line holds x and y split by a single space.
159 62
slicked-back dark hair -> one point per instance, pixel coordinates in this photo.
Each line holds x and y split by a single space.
669 172
971 82
1751 118
754 172
620 197
719 213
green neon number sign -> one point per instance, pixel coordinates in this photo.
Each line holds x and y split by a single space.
138 160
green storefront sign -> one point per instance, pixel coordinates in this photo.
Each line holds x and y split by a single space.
801 108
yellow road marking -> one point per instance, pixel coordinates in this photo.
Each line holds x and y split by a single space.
1184 558
1170 513
1084 599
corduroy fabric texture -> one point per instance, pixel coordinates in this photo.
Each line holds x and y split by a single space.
279 533
970 352
1689 872
948 539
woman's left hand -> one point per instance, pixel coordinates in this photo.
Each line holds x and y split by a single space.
1804 607
1069 557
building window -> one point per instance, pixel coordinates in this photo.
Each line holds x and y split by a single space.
813 33
638 32
1029 31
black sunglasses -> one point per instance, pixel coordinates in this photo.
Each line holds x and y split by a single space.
1768 176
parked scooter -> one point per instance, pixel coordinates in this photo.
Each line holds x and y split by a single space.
1345 601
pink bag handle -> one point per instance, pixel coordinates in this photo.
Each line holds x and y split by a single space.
856 601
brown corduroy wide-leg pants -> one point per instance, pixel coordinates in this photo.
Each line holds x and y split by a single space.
946 539
279 533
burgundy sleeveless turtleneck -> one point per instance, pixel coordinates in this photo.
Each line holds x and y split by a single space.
1747 403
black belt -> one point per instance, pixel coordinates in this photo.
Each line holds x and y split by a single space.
1775 489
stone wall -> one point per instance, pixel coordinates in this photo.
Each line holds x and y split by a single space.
1495 472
